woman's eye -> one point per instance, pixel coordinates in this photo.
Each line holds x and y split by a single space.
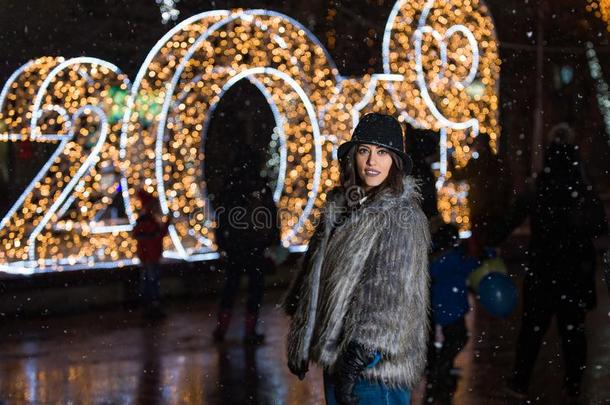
382 151
362 151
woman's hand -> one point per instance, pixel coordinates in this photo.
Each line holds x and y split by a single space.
299 368
348 369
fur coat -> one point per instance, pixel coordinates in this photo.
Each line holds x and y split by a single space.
365 279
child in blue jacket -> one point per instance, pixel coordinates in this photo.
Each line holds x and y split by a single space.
450 266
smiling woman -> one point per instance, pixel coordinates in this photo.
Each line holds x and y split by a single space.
373 163
374 157
366 263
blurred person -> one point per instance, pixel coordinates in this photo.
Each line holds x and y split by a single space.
149 233
487 180
422 146
359 304
566 216
247 226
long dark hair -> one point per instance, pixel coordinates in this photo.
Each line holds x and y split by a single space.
352 184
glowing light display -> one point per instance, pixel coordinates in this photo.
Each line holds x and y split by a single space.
114 137
601 86
447 53
55 219
296 76
601 9
168 9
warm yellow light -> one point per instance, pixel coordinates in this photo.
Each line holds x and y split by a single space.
167 111
601 9
66 235
441 96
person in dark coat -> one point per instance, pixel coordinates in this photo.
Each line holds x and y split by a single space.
247 225
566 215
359 304
422 146
488 185
149 233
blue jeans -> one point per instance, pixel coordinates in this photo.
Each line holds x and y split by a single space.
369 393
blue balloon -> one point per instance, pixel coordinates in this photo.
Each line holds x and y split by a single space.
498 294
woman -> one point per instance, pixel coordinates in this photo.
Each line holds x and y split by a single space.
359 304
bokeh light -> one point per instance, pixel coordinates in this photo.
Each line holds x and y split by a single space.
113 137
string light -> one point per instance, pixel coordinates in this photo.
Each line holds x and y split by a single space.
114 138
63 102
168 9
601 9
601 86
448 55
200 61
453 205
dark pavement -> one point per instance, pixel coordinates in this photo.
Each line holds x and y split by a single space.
115 357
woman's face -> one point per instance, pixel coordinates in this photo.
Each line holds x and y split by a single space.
373 164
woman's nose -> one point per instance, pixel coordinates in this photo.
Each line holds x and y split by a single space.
371 159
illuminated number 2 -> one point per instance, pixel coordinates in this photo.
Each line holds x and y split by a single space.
66 103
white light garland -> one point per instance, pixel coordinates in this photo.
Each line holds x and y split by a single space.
56 223
168 9
601 86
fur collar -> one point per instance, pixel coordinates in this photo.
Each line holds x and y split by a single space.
383 201
366 279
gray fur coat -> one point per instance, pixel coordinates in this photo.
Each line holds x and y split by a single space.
365 279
